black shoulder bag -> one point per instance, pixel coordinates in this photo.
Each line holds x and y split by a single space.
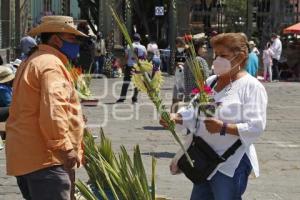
205 159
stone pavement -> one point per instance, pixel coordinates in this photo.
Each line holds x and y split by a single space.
126 124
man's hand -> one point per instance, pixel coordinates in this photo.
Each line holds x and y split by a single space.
70 159
213 125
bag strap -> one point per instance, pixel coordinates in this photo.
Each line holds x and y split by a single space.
229 152
213 83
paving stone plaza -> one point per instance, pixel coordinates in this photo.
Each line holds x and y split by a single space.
126 124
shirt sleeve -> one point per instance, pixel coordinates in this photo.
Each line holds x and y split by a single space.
253 116
54 104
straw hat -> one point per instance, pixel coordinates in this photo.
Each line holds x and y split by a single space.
6 74
56 24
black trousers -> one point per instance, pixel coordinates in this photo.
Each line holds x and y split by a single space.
46 184
275 69
126 82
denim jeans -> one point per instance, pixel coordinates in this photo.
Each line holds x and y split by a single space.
46 184
222 187
99 64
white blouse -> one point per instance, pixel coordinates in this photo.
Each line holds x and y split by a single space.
244 103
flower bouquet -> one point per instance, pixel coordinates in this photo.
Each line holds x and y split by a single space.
203 93
148 79
82 84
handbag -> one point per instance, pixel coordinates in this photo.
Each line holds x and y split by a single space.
204 158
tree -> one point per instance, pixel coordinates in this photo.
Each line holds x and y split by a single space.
235 15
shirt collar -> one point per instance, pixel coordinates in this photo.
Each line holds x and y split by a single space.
54 51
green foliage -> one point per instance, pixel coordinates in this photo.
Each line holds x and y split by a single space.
153 93
124 177
235 10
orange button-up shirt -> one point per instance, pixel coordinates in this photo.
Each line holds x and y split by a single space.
45 116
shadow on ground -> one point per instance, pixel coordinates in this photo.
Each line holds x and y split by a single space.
159 154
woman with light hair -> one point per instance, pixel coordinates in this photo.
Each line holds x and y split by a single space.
239 120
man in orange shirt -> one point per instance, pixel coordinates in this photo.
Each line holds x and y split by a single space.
45 125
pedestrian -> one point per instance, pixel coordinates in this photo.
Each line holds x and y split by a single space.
268 62
141 53
240 119
252 64
189 79
7 76
253 47
276 47
180 58
44 130
100 52
26 44
153 53
87 48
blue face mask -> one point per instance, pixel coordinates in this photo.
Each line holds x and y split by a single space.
70 49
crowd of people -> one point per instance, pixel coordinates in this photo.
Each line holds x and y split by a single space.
45 131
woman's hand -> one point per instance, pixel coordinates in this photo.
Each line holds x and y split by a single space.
175 117
174 168
213 125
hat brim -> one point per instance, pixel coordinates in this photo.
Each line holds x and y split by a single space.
8 78
55 27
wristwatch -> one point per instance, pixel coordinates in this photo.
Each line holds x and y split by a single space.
223 129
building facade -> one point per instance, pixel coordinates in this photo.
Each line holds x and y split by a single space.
254 17
18 16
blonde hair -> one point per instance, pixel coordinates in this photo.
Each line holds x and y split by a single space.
235 42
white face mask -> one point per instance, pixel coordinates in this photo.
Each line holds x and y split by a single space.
221 65
180 50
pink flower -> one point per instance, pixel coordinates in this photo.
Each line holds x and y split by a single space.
195 91
207 89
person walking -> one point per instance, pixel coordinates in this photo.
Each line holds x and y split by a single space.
100 52
44 131
139 51
268 62
276 48
239 121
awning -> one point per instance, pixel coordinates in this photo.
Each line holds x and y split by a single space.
292 29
